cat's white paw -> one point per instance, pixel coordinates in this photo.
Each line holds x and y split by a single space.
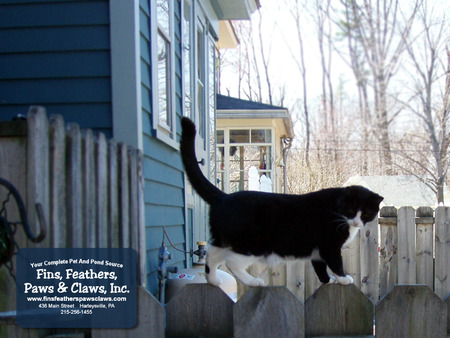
213 281
345 280
255 282
332 280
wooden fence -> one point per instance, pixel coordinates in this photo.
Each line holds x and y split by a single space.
401 246
333 310
91 190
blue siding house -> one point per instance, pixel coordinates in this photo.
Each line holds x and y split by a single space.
129 69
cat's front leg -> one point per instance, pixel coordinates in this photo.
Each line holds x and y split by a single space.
333 259
321 271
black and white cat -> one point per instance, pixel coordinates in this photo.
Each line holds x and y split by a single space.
249 226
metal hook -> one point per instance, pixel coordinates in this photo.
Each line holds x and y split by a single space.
23 214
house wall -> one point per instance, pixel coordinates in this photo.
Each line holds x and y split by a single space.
56 54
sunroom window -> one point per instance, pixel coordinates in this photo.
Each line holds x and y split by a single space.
237 151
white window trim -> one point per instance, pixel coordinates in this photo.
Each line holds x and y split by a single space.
163 131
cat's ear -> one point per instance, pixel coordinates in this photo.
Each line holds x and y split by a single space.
378 198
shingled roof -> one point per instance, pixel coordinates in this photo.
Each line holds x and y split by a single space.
232 103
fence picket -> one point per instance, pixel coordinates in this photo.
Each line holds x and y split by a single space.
295 278
58 182
269 312
369 260
124 196
113 194
338 310
89 191
406 246
200 310
424 246
101 184
442 270
388 249
38 168
410 311
74 195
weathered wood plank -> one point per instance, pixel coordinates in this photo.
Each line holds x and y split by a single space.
133 202
406 231
141 253
442 264
369 260
101 179
269 312
113 204
295 278
447 301
89 191
74 191
411 311
57 182
388 249
124 194
424 246
200 310
150 320
338 310
38 168
351 259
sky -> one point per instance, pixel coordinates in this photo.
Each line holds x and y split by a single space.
280 38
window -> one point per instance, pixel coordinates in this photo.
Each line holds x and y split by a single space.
237 151
187 58
163 61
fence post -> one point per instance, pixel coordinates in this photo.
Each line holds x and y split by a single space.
388 249
200 310
406 231
424 246
269 312
442 278
338 310
411 311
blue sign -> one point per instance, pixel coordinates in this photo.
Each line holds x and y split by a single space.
76 288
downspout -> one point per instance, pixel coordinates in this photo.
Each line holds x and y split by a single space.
287 144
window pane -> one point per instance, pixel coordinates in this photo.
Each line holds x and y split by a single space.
162 15
239 136
163 79
261 136
220 137
187 58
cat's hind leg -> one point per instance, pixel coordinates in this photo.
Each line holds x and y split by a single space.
214 257
238 264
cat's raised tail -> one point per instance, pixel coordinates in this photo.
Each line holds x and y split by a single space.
208 191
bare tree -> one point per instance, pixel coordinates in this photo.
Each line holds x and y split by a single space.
428 102
379 30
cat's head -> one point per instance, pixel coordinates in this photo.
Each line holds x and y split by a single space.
359 205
